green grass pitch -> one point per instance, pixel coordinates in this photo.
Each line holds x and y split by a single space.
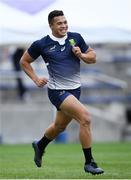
65 161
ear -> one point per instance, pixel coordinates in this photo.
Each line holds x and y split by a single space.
50 25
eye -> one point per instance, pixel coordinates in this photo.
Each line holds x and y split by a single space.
59 23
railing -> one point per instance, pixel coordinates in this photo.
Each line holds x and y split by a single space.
87 78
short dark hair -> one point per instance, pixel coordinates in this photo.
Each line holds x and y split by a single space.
53 14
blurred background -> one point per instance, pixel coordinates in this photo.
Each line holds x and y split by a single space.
25 110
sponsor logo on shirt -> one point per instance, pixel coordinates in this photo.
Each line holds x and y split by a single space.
72 42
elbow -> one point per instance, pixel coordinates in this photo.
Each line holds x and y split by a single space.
92 59
22 63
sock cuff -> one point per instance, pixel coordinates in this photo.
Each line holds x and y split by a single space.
45 136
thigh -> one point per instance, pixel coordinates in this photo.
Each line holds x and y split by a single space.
73 107
62 119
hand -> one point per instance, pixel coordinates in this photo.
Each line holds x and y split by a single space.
40 82
76 50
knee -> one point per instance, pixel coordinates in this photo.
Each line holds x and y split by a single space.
59 128
85 119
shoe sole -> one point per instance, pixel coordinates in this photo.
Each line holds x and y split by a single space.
95 173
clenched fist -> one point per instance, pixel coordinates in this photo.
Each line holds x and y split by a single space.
76 50
40 82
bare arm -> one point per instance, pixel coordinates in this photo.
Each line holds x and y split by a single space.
88 57
25 64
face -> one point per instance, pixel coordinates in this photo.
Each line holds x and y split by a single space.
59 26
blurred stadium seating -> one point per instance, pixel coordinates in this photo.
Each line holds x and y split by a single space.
104 84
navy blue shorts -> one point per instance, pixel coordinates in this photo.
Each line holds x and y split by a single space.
58 96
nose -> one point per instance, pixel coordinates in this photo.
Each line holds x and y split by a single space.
63 25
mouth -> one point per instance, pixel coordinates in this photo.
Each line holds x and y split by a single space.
63 31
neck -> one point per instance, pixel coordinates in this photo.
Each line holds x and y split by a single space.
59 36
